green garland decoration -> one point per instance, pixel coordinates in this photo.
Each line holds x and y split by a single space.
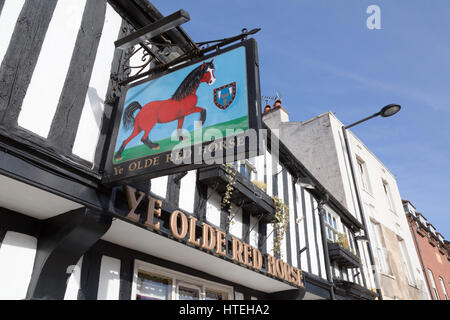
281 224
226 200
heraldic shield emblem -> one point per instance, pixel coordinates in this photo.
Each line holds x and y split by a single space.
224 96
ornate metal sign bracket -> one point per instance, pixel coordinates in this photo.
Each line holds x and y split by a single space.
195 53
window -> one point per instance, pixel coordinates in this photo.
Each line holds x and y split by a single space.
387 192
331 226
156 283
407 263
362 169
381 251
430 275
153 287
443 288
247 168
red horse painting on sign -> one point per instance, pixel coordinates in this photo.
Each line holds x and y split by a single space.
181 104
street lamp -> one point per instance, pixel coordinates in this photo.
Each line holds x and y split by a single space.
385 112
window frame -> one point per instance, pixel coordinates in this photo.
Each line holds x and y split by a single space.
177 278
388 194
382 253
433 283
363 175
330 228
407 263
444 290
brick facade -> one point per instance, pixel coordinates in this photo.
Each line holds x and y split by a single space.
433 250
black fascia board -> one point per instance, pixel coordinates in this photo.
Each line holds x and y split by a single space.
298 170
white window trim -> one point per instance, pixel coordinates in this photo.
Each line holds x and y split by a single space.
177 278
364 175
380 248
334 230
433 283
407 264
388 193
443 288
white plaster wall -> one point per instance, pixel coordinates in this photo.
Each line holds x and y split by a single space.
318 232
48 79
213 207
280 171
17 254
187 191
259 164
311 241
109 281
236 224
73 283
8 18
159 186
254 227
292 223
91 117
301 230
268 158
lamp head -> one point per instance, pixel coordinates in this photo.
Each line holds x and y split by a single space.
390 110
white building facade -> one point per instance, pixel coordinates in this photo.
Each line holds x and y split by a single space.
319 143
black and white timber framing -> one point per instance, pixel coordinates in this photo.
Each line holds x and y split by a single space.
53 145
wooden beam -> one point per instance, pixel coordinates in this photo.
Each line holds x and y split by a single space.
65 123
21 57
2 2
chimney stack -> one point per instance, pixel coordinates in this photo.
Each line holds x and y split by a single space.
272 117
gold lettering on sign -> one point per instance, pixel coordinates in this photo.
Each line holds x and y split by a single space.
247 255
174 225
182 226
209 237
257 259
281 270
118 171
192 228
221 241
153 209
238 249
133 203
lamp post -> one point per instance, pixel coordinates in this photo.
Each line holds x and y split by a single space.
385 112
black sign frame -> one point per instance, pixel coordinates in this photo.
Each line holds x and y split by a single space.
122 173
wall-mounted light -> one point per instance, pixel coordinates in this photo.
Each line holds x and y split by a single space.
153 30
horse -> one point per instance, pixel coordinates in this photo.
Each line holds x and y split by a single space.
181 104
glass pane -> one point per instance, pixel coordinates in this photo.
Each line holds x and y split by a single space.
153 287
185 293
215 295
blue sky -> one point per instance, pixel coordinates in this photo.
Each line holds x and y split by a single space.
321 56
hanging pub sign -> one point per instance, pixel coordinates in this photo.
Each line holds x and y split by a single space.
201 113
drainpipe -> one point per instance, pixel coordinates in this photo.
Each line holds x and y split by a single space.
325 248
361 210
413 229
